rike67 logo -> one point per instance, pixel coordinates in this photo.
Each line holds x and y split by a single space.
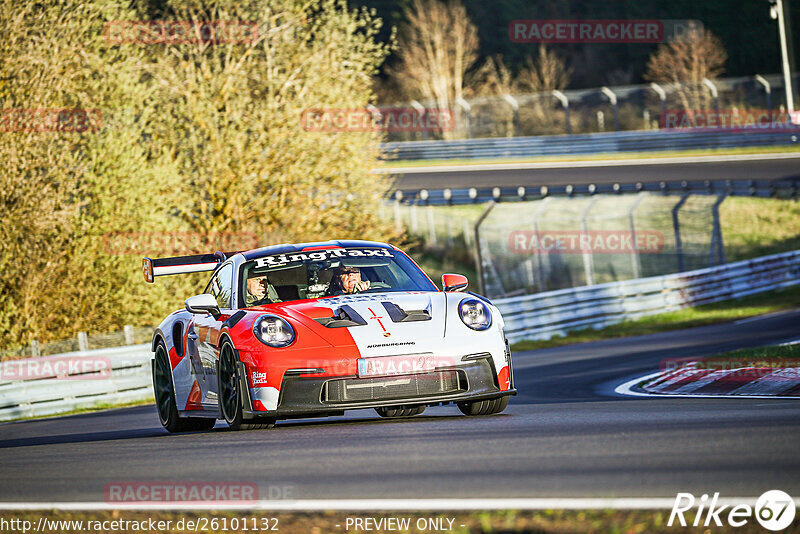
774 510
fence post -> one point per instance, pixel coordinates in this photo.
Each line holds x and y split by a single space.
515 108
677 227
564 104
467 231
714 94
83 341
539 263
716 235
767 89
478 255
419 108
588 258
468 112
662 95
398 223
431 225
129 334
613 99
637 261
35 352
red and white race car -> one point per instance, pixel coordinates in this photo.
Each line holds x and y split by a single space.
315 329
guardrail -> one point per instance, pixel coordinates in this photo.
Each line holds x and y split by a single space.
595 143
60 383
476 195
544 315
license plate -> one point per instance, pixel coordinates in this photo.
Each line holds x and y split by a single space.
396 365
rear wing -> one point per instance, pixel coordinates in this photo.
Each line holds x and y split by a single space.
182 264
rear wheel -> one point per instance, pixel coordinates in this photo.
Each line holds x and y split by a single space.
484 407
229 394
165 398
394 412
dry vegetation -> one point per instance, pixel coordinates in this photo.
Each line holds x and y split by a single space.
201 137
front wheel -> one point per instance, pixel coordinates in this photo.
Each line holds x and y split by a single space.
484 407
229 394
165 398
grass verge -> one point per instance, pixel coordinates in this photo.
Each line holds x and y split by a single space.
718 312
771 356
540 521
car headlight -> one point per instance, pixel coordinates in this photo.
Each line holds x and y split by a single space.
475 314
273 331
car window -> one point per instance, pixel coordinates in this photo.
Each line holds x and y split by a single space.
316 274
220 286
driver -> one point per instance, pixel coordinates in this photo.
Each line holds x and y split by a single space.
347 280
258 287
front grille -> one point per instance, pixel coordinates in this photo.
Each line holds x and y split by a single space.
395 387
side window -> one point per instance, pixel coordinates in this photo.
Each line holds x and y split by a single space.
220 286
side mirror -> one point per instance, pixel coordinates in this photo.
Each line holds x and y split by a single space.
204 303
454 282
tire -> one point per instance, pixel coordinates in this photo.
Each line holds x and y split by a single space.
484 407
229 396
165 398
396 412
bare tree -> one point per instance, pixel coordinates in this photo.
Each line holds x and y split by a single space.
437 45
547 73
686 62
493 78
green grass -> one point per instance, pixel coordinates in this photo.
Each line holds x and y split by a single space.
719 312
753 227
593 157
758 357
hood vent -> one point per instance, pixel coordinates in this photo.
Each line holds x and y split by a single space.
344 317
399 315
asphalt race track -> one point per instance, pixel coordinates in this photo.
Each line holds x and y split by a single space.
566 435
608 173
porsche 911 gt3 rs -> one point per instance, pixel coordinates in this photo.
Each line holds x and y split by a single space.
315 329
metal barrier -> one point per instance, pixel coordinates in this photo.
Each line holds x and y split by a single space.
544 315
61 383
596 143
475 195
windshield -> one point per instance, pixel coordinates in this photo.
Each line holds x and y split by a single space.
330 272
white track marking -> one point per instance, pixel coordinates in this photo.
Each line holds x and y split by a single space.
623 503
700 382
771 384
583 164
626 388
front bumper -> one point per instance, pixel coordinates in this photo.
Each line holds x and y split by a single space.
316 396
